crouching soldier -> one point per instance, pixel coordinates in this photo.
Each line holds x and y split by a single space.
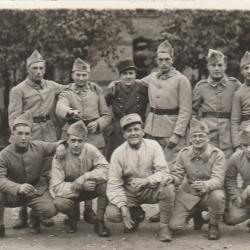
203 166
81 176
239 163
23 176
136 172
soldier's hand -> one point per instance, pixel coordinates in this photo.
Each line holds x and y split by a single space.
166 180
92 126
245 195
74 113
60 152
76 187
89 185
127 221
238 202
199 187
173 141
112 87
26 189
139 183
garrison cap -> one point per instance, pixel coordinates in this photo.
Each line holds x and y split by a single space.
245 59
80 65
197 126
214 56
245 135
78 129
125 65
165 47
130 119
23 119
34 58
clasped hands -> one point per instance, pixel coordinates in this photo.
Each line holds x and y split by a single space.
89 185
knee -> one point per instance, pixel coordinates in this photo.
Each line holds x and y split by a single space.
113 214
63 205
217 198
49 210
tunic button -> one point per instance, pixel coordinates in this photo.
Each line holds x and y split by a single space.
121 106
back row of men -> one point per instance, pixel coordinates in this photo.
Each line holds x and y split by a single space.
219 101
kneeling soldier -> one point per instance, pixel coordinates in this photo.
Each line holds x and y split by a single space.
23 176
136 172
81 176
239 164
203 165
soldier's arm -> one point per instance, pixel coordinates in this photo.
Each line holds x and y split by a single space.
160 166
235 120
185 107
115 188
6 185
196 101
15 108
58 88
217 176
63 105
231 186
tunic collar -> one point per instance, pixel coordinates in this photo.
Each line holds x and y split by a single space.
204 156
34 85
164 76
78 89
223 81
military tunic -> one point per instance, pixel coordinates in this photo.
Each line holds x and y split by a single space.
207 167
38 101
90 101
240 117
212 103
125 100
170 93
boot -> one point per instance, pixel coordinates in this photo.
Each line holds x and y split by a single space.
89 216
198 221
2 231
22 220
71 224
34 223
165 234
213 232
155 218
101 229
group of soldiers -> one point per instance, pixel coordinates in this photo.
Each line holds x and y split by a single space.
164 143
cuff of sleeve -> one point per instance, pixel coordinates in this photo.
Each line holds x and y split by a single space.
121 204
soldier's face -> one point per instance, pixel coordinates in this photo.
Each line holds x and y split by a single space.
134 134
246 72
199 140
217 69
164 62
80 78
21 136
246 148
75 144
128 75
36 72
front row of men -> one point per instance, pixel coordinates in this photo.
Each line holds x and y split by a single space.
138 174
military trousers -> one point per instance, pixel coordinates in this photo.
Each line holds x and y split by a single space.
68 206
213 202
164 195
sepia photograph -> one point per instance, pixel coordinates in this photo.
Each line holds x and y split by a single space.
124 125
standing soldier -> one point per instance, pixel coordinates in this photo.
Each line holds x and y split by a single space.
203 166
35 96
241 102
84 100
128 96
212 101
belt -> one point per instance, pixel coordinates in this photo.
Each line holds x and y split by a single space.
41 118
245 118
164 111
86 122
224 115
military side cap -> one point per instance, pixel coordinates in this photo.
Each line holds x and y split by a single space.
214 56
165 47
78 129
245 59
80 65
125 65
245 135
197 126
34 58
23 119
130 119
